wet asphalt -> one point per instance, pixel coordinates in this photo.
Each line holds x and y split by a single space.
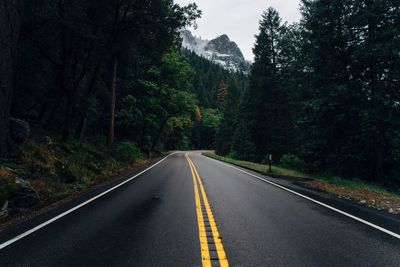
151 221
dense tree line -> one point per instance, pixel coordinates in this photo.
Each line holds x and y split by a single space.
74 69
103 70
325 89
215 90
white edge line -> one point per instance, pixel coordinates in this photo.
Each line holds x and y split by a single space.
313 200
36 228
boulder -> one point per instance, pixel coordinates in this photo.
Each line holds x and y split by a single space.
4 210
25 198
45 140
19 130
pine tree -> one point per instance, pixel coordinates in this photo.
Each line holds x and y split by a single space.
228 121
350 119
242 147
270 103
221 94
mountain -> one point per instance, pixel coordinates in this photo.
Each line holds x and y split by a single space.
220 50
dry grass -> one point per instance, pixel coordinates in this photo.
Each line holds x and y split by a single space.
379 199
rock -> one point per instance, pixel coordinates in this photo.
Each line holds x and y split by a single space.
19 130
220 50
363 201
4 210
24 198
391 210
45 140
224 45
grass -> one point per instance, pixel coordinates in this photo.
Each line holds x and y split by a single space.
256 166
370 194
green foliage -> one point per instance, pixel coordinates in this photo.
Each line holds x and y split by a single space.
207 79
208 127
350 116
127 151
156 115
325 89
68 50
291 161
242 145
333 180
230 109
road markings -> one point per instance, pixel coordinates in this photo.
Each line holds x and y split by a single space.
38 227
217 242
205 253
377 227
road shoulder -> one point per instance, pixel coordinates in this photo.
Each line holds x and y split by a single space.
385 220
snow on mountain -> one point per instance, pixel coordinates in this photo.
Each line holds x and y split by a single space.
220 50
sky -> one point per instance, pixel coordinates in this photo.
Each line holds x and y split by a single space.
239 19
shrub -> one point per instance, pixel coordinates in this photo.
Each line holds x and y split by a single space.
7 186
291 161
127 151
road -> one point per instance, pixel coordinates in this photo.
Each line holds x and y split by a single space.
190 210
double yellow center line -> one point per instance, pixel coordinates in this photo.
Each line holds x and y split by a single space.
211 246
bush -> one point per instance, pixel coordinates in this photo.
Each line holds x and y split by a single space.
291 161
127 151
7 186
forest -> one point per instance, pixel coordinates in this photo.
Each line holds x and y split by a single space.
323 93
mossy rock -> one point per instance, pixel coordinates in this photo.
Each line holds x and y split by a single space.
24 197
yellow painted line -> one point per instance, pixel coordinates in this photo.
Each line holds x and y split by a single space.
205 254
223 261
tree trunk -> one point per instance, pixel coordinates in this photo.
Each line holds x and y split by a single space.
9 32
373 78
110 138
81 128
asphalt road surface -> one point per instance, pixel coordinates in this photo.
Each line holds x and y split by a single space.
190 210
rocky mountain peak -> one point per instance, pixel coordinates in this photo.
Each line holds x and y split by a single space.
220 50
224 45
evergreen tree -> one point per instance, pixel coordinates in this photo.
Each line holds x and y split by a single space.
228 121
242 147
351 116
221 94
270 103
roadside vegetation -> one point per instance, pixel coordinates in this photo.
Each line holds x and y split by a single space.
88 88
324 91
45 171
366 193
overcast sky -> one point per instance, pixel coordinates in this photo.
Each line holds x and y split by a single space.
239 18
